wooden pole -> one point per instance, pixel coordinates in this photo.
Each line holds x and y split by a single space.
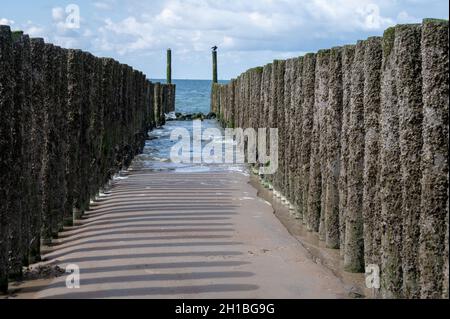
169 66
214 57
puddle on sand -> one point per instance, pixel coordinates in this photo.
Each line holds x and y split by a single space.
156 154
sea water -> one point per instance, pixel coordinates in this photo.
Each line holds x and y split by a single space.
192 96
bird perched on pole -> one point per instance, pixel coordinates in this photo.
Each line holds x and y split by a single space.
214 48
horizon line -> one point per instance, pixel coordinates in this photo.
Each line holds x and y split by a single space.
164 80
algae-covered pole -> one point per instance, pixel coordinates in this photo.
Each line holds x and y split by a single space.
296 127
48 178
60 125
390 178
354 242
26 118
410 107
6 105
214 58
315 175
322 91
435 64
17 203
371 205
333 131
74 101
308 85
169 66
36 145
279 109
157 101
348 54
292 109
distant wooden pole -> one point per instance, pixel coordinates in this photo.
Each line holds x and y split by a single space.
157 105
169 66
214 57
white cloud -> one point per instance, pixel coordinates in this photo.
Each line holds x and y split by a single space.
66 42
63 32
347 15
242 25
248 33
405 17
128 35
4 21
228 42
373 19
59 20
58 14
35 31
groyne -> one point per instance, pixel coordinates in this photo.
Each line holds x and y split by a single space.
69 122
363 149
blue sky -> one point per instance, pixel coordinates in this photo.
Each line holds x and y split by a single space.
248 32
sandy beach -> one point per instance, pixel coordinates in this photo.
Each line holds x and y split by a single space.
183 235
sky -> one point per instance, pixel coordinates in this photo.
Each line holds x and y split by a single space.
248 33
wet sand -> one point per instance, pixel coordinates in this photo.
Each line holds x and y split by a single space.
184 235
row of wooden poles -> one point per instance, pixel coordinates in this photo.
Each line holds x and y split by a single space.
363 149
68 123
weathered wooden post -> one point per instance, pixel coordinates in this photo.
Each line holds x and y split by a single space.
390 177
296 128
6 109
18 199
373 57
410 111
169 66
333 117
49 156
214 57
26 119
354 240
74 101
434 162
308 91
157 105
37 149
348 55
